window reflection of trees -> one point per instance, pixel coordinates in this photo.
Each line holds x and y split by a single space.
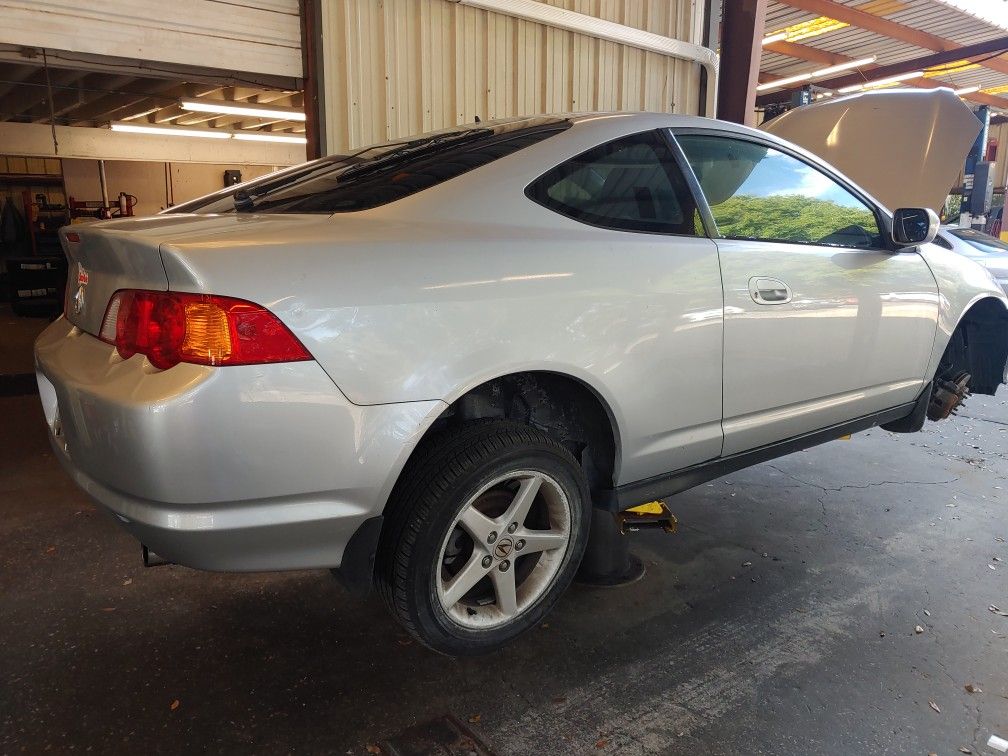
795 218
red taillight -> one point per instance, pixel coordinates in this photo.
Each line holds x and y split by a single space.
169 328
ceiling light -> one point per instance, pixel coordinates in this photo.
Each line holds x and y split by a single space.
881 82
138 128
783 82
778 37
262 136
965 91
816 74
844 67
248 136
234 108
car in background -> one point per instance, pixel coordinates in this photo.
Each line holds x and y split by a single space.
985 249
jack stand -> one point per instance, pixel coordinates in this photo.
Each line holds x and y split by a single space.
607 559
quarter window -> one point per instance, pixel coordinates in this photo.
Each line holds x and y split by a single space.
630 184
757 192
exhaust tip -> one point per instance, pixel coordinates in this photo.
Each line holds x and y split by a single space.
151 559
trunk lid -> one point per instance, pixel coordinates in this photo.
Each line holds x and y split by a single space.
102 259
107 256
906 147
128 254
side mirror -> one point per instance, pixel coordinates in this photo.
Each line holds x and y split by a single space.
914 225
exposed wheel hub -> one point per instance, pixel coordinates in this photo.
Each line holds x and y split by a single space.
948 396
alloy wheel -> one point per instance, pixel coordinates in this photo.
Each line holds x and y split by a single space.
504 549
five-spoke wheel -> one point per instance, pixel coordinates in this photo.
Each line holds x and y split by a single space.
504 549
483 532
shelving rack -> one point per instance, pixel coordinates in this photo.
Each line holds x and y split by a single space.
33 266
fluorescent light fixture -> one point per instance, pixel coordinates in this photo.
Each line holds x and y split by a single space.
843 67
783 82
778 37
139 128
179 131
265 136
233 108
881 82
965 91
816 74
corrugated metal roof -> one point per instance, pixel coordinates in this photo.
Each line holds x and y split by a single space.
929 16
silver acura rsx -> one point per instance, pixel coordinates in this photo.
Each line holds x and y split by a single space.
424 363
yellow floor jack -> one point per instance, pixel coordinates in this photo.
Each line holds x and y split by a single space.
654 514
607 560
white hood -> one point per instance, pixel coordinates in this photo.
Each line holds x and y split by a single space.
906 147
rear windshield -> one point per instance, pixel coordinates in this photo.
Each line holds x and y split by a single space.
381 174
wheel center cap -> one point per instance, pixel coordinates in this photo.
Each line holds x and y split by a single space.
503 548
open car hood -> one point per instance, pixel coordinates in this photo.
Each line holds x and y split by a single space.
906 147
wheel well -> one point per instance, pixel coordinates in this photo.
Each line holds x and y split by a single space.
978 346
559 405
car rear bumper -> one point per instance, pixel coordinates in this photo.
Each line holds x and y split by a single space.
258 467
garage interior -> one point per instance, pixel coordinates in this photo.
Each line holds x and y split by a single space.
845 599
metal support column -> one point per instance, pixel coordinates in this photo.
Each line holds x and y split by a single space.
103 183
311 81
972 214
741 48
607 560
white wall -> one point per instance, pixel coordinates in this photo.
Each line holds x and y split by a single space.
258 36
36 140
154 184
392 68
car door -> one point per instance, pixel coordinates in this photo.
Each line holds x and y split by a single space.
650 333
823 322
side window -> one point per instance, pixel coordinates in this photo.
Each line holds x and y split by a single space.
630 184
757 192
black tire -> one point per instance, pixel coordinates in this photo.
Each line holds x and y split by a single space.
439 480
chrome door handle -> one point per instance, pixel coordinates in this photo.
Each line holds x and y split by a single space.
769 291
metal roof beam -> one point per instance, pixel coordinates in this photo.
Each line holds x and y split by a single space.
741 37
894 69
29 101
804 52
12 77
886 28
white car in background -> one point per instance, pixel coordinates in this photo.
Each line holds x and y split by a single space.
985 249
423 364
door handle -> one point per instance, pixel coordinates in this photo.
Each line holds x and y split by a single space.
769 291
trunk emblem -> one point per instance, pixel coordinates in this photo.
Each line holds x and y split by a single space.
82 279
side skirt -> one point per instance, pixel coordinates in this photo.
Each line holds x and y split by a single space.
663 486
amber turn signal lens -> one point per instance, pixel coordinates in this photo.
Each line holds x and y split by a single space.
207 334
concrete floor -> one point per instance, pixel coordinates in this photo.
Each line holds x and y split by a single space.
779 620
